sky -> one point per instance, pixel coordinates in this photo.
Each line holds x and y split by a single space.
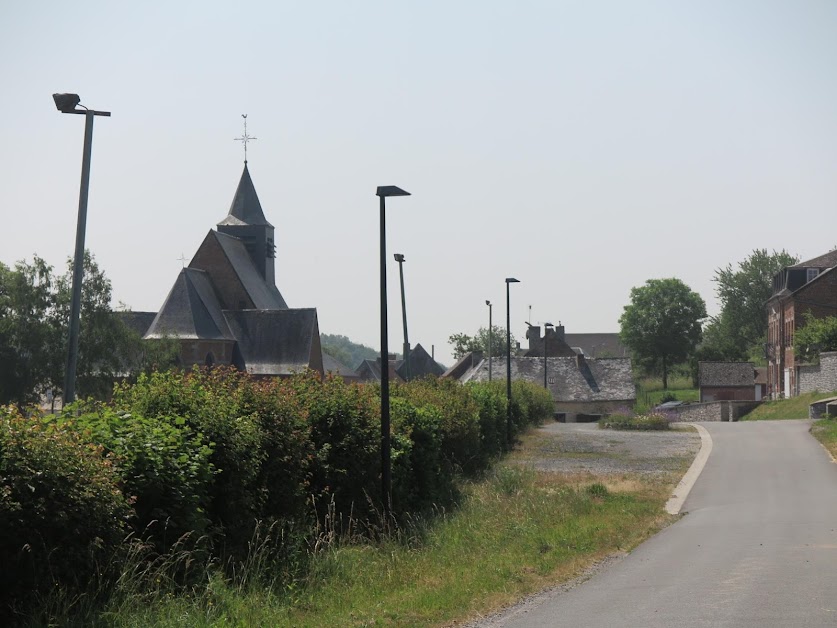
581 147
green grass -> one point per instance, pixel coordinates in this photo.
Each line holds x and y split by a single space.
650 392
793 408
825 431
515 533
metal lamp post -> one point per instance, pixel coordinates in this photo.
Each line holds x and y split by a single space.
490 337
401 259
509 280
67 103
546 326
386 478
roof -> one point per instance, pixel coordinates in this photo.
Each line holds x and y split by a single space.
464 364
138 322
276 342
607 345
245 208
421 364
370 370
332 365
827 260
761 375
601 379
264 295
726 374
191 310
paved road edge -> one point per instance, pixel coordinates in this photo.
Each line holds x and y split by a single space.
684 486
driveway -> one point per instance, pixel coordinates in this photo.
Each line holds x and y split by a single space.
757 549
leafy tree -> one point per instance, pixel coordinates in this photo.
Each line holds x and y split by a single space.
818 334
345 351
738 332
662 323
463 343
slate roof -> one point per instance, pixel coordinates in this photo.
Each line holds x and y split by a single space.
265 296
602 379
137 321
827 260
370 370
726 374
191 310
605 345
332 365
245 208
421 364
276 342
464 364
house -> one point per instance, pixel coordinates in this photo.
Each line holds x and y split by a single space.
421 364
598 345
807 287
370 370
225 308
728 381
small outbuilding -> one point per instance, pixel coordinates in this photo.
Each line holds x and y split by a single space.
728 381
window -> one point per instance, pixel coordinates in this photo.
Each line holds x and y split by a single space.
811 274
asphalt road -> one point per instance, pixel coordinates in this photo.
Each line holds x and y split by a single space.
758 547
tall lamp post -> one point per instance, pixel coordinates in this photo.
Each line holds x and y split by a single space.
386 477
509 280
490 337
67 103
401 259
546 327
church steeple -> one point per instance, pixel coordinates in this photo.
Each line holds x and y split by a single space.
246 221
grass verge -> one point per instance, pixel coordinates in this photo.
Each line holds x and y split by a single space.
516 532
793 408
825 431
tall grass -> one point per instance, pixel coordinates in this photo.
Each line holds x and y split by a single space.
792 408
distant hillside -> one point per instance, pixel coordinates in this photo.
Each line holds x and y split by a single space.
344 350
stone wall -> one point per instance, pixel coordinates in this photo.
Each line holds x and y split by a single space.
713 411
571 410
821 377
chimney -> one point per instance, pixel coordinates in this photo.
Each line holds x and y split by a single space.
534 336
579 361
559 332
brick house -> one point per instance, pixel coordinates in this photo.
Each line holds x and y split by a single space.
810 286
728 381
225 308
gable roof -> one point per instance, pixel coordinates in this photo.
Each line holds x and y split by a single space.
421 364
138 322
606 345
245 208
464 364
264 295
826 260
726 374
276 342
569 379
332 365
191 310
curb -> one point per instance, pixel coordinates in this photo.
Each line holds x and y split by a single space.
681 491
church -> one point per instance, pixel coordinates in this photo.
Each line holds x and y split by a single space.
225 308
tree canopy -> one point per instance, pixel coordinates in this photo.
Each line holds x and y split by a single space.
463 343
739 331
816 335
662 323
34 323
345 351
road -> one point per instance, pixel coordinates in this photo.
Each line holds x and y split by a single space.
757 549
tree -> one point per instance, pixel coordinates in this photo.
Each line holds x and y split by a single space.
345 351
739 331
817 335
662 323
463 343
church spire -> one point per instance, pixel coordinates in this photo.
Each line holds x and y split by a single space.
245 138
245 207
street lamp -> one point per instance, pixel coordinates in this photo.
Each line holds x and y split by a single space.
386 477
401 259
67 103
490 337
509 280
546 326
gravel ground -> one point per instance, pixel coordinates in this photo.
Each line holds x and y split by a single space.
583 447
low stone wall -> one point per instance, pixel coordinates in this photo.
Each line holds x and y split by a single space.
713 411
819 409
822 376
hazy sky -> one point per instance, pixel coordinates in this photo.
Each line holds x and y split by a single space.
582 147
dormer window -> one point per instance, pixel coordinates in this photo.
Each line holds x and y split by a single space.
811 274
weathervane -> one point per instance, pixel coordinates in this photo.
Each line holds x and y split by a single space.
182 259
245 138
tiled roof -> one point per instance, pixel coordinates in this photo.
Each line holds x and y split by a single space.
826 260
726 374
265 296
605 345
276 342
421 364
603 379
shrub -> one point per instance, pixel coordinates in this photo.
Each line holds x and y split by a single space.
61 509
650 421
491 400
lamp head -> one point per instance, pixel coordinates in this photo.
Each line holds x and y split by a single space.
400 258
488 303
66 103
512 280
390 190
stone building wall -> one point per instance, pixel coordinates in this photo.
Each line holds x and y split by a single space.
713 411
820 377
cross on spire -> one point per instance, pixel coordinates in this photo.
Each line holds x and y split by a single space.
182 259
245 138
